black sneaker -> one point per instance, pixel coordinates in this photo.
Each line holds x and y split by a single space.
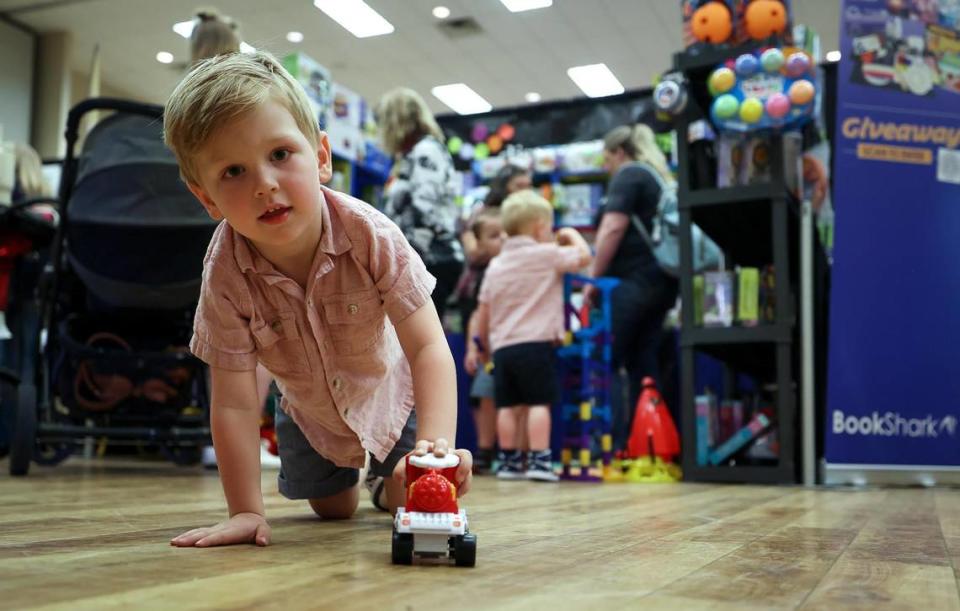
540 466
483 461
511 464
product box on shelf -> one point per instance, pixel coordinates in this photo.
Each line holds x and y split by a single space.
718 299
748 296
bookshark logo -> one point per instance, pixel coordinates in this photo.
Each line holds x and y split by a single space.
892 424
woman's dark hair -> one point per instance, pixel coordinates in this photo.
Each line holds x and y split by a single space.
498 184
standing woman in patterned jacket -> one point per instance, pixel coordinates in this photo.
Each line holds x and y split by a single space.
421 195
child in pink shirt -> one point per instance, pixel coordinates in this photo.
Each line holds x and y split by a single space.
320 288
520 317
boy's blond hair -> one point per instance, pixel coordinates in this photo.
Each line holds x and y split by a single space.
521 209
223 88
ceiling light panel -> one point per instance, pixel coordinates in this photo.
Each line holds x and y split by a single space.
518 6
461 99
595 80
356 16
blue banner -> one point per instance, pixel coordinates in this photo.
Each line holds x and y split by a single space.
893 389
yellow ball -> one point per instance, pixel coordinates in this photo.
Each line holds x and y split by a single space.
722 80
751 110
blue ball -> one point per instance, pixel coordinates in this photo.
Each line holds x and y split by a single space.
746 64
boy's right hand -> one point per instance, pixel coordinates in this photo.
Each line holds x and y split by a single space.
568 236
241 528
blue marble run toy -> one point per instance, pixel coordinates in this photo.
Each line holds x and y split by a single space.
585 363
767 89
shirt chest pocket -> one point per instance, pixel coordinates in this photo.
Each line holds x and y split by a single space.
279 345
355 320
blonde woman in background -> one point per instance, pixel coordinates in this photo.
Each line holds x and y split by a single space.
420 197
29 182
646 293
213 34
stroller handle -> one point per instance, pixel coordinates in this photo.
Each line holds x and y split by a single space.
91 104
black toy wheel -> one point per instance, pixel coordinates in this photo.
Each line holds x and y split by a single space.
465 550
402 548
24 429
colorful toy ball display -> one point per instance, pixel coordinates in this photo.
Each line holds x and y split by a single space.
768 89
712 23
765 18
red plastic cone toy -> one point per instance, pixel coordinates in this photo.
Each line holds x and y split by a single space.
653 431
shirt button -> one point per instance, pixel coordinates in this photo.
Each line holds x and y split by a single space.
337 383
276 325
353 308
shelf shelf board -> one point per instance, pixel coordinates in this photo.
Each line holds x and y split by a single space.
702 336
763 192
744 474
707 57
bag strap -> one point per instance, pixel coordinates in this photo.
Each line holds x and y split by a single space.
643 232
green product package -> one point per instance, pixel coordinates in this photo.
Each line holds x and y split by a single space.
748 308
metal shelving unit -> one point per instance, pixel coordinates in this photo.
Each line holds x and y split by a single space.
755 225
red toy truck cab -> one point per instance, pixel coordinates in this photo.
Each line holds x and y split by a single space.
431 524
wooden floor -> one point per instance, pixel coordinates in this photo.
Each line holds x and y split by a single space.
94 535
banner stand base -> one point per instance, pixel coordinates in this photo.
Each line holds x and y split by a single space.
890 475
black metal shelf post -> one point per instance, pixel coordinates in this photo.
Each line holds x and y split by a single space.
752 224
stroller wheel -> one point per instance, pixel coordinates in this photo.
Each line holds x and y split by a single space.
24 429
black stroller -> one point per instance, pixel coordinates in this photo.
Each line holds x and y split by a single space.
110 358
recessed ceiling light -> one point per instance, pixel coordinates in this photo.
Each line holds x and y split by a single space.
356 16
184 28
462 99
517 6
165 57
295 36
595 80
532 97
833 56
441 12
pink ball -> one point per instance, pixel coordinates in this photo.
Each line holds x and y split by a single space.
778 105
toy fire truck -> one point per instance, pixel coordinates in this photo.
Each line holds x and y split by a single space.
431 524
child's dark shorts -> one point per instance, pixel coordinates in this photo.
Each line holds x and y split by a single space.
305 474
526 374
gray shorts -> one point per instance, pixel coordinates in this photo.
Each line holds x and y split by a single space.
482 387
305 474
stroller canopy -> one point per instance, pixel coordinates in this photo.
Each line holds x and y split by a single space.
136 236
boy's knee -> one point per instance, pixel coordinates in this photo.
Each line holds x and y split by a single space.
337 507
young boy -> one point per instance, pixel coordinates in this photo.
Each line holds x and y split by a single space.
488 231
520 317
320 288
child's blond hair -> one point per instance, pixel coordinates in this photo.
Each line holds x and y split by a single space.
523 208
223 88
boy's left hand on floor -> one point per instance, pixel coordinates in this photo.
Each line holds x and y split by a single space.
440 448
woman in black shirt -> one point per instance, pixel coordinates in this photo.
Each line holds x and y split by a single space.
645 293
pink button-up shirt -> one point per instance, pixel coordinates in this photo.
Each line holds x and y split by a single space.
333 348
523 288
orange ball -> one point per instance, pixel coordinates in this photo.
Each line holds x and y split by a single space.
711 23
764 18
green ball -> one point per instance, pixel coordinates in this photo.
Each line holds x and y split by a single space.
454 144
751 110
725 106
772 60
481 151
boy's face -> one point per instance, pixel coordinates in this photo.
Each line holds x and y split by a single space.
262 174
491 237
